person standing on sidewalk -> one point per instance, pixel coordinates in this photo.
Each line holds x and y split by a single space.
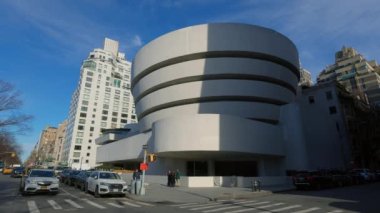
169 174
177 178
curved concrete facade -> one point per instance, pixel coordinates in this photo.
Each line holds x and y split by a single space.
209 97
234 69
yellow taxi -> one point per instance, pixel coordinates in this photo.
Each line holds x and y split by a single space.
7 171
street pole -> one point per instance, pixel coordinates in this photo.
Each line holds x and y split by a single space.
142 188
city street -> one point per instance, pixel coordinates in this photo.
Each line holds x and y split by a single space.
361 198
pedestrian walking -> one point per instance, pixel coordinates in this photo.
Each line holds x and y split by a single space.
177 178
136 175
169 174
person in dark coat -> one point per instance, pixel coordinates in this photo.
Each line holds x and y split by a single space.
169 174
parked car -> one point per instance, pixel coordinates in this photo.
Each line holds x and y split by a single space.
105 183
64 176
365 174
40 180
80 180
18 172
312 180
7 170
70 180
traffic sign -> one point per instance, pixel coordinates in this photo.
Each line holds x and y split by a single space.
143 166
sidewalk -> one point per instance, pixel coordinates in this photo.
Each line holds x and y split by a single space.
160 193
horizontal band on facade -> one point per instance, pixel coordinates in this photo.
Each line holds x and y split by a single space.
210 99
269 121
216 77
217 54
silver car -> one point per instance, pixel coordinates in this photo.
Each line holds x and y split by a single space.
40 180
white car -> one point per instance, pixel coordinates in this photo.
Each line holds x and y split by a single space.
105 183
40 180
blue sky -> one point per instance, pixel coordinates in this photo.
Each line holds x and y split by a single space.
43 42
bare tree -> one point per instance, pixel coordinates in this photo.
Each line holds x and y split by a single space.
10 118
11 122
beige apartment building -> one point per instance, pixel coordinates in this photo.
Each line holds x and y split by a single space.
46 144
358 75
58 144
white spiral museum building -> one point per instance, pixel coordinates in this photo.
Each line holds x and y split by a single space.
208 100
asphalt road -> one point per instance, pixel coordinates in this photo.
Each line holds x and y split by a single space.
362 198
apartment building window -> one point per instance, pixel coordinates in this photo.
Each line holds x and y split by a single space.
124 115
83 109
311 99
86 161
88 154
123 121
82 121
83 115
92 122
114 113
332 110
85 103
103 124
76 160
89 147
80 127
108 89
115 108
329 95
133 116
104 118
87 84
105 112
77 147
114 119
89 79
90 73
90 141
91 129
79 134
78 140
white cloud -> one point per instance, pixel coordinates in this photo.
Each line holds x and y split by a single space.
136 41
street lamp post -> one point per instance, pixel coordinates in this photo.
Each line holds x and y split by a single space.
142 189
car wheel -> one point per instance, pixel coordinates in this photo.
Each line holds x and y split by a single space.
96 193
86 188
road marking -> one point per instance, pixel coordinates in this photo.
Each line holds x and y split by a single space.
94 204
208 206
184 204
199 205
54 204
115 205
68 193
144 204
336 211
130 204
307 210
222 209
282 209
33 207
231 206
257 207
74 204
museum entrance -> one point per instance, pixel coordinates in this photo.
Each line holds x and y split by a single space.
236 168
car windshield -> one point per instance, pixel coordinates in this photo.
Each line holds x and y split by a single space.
19 169
41 173
107 175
